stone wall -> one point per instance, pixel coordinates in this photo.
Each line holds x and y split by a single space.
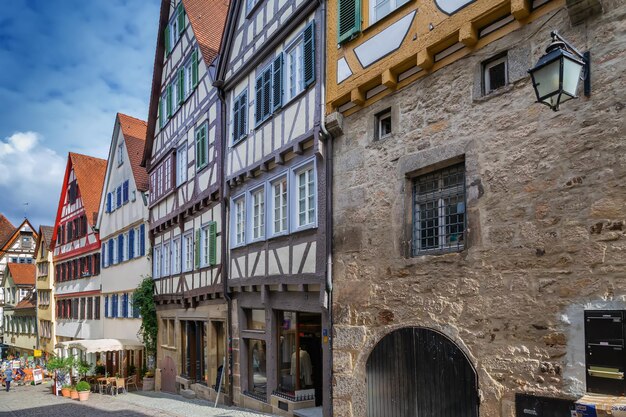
546 207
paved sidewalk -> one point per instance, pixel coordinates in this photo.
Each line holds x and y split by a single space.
37 401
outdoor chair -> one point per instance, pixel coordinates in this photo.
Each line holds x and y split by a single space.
103 386
120 384
131 380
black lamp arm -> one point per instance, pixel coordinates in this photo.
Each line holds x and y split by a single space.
585 56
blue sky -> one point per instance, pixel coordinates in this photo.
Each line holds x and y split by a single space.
66 68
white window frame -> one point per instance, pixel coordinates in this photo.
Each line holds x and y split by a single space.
156 261
181 168
271 206
105 255
394 4
205 245
125 249
292 66
174 95
238 220
187 252
166 259
174 35
120 154
163 118
187 78
487 78
256 220
380 117
176 255
296 171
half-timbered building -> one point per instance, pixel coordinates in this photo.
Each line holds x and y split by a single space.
44 286
76 250
275 176
182 156
17 245
19 311
122 227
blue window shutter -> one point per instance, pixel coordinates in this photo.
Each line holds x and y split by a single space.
277 81
118 195
125 192
111 249
258 104
120 248
102 249
108 202
125 305
142 240
106 306
309 54
236 116
131 244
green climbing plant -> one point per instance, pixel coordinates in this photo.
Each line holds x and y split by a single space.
143 298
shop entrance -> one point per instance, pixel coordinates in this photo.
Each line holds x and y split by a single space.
300 355
420 372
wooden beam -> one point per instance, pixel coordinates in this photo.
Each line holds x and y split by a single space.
357 97
278 159
520 9
297 149
425 60
389 79
468 34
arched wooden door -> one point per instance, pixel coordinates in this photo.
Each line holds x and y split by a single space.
418 372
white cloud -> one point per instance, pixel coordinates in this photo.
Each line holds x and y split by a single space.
30 173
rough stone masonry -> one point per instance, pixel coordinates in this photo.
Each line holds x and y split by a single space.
546 212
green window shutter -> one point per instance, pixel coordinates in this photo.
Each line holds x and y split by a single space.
308 66
169 101
277 81
348 20
197 247
194 68
161 115
181 18
204 143
201 147
213 243
167 40
180 86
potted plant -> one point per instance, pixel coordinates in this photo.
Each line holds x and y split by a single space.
83 389
99 370
73 392
82 367
65 390
148 381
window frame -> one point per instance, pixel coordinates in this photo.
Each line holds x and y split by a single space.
271 206
486 77
441 194
156 261
266 112
166 255
188 85
236 109
258 190
380 117
372 10
177 257
205 245
297 42
120 154
235 242
295 172
187 253
203 127
182 151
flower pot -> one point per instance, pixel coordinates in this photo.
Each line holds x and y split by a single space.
148 384
65 392
74 394
83 395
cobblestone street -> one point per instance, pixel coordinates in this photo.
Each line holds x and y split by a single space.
37 401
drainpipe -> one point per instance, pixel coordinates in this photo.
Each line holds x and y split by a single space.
224 194
328 140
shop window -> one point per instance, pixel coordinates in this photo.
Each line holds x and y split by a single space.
256 319
194 350
257 372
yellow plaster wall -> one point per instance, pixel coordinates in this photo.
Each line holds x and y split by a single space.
419 46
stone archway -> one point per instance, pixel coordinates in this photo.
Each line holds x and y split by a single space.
419 372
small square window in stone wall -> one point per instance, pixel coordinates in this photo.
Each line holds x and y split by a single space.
495 74
383 125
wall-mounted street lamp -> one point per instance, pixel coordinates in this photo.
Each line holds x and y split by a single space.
556 75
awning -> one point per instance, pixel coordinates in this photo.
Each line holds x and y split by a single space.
100 345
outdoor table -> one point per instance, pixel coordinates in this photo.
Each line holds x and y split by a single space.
108 381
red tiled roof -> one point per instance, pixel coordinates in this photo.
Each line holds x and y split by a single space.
23 274
90 173
29 301
6 230
134 131
207 19
46 234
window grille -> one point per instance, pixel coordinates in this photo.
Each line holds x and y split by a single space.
439 211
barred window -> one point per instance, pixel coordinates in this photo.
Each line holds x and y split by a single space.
439 211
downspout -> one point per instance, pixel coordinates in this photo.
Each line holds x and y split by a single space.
328 140
225 233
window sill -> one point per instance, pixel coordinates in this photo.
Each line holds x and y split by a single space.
168 347
202 167
494 93
239 141
439 251
305 227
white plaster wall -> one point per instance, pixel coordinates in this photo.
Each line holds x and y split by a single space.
79 329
